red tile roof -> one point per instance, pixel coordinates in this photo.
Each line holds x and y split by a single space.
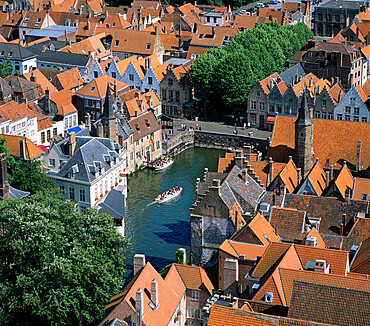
13 143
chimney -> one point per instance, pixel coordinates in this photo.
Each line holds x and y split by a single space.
22 149
48 101
327 173
216 183
239 161
347 195
244 175
358 155
139 262
147 63
156 31
32 78
154 292
231 276
321 266
88 121
299 176
247 150
71 143
331 170
139 306
273 199
311 241
195 28
106 14
135 114
115 88
270 172
4 184
213 32
342 225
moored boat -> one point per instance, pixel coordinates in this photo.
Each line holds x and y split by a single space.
168 195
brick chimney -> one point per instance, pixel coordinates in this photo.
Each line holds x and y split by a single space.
139 306
244 175
32 78
139 262
358 155
342 225
4 184
327 173
311 241
147 63
247 151
154 292
71 143
270 172
47 107
299 176
22 149
321 266
88 121
183 250
231 276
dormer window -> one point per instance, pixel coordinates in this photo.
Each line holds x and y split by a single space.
116 42
27 19
71 175
148 46
10 54
107 25
92 89
38 20
147 123
200 36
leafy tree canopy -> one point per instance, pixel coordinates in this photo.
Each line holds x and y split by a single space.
58 267
226 75
6 68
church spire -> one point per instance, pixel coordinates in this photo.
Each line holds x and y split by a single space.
108 112
304 117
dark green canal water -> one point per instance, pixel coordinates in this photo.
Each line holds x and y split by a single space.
158 230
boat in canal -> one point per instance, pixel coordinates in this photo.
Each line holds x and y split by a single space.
168 195
163 164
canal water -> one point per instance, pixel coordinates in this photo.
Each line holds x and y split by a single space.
158 230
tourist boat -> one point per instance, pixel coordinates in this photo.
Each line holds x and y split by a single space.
168 195
163 164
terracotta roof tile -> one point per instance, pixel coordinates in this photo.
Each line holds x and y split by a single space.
289 175
328 144
41 80
237 249
123 64
70 78
160 71
361 186
288 223
143 125
359 232
361 262
13 143
361 93
245 22
263 230
13 111
320 241
344 180
194 278
266 83
337 93
261 169
204 35
317 178
98 86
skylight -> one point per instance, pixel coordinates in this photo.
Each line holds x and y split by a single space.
200 36
92 88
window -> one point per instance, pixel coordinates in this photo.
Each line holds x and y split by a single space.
42 137
199 314
83 209
347 117
164 95
330 116
200 36
177 96
54 132
170 81
279 108
51 162
191 313
323 115
262 106
347 109
253 105
356 118
272 108
114 75
309 54
286 109
323 102
82 195
170 95
364 119
352 100
253 119
195 295
96 74
150 80
193 56
258 94
262 121
317 115
71 193
48 135
131 77
356 110
148 46
364 196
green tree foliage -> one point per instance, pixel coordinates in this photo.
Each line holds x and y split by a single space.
226 75
58 267
13 165
6 68
29 177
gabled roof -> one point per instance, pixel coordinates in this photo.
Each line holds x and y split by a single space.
268 81
344 181
123 64
160 71
224 162
194 278
73 59
204 35
263 230
41 80
290 75
140 64
359 232
15 52
335 305
261 169
320 240
63 100
361 186
317 178
288 223
289 176
361 262
328 143
30 149
98 86
143 125
170 293
226 316
33 19
13 111
70 78
244 21
247 250
336 92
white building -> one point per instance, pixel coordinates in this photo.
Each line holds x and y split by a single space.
20 58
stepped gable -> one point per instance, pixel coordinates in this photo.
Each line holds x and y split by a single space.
329 304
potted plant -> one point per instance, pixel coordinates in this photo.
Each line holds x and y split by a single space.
111 187
96 198
101 195
106 191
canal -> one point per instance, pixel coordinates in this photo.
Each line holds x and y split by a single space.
158 230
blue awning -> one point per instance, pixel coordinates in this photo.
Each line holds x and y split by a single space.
76 129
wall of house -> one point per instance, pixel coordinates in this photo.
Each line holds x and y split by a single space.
179 315
195 305
94 71
255 97
352 108
132 77
324 106
146 87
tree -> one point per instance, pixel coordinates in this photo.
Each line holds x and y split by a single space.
31 178
6 68
13 165
58 267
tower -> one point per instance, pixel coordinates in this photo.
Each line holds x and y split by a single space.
108 119
303 152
